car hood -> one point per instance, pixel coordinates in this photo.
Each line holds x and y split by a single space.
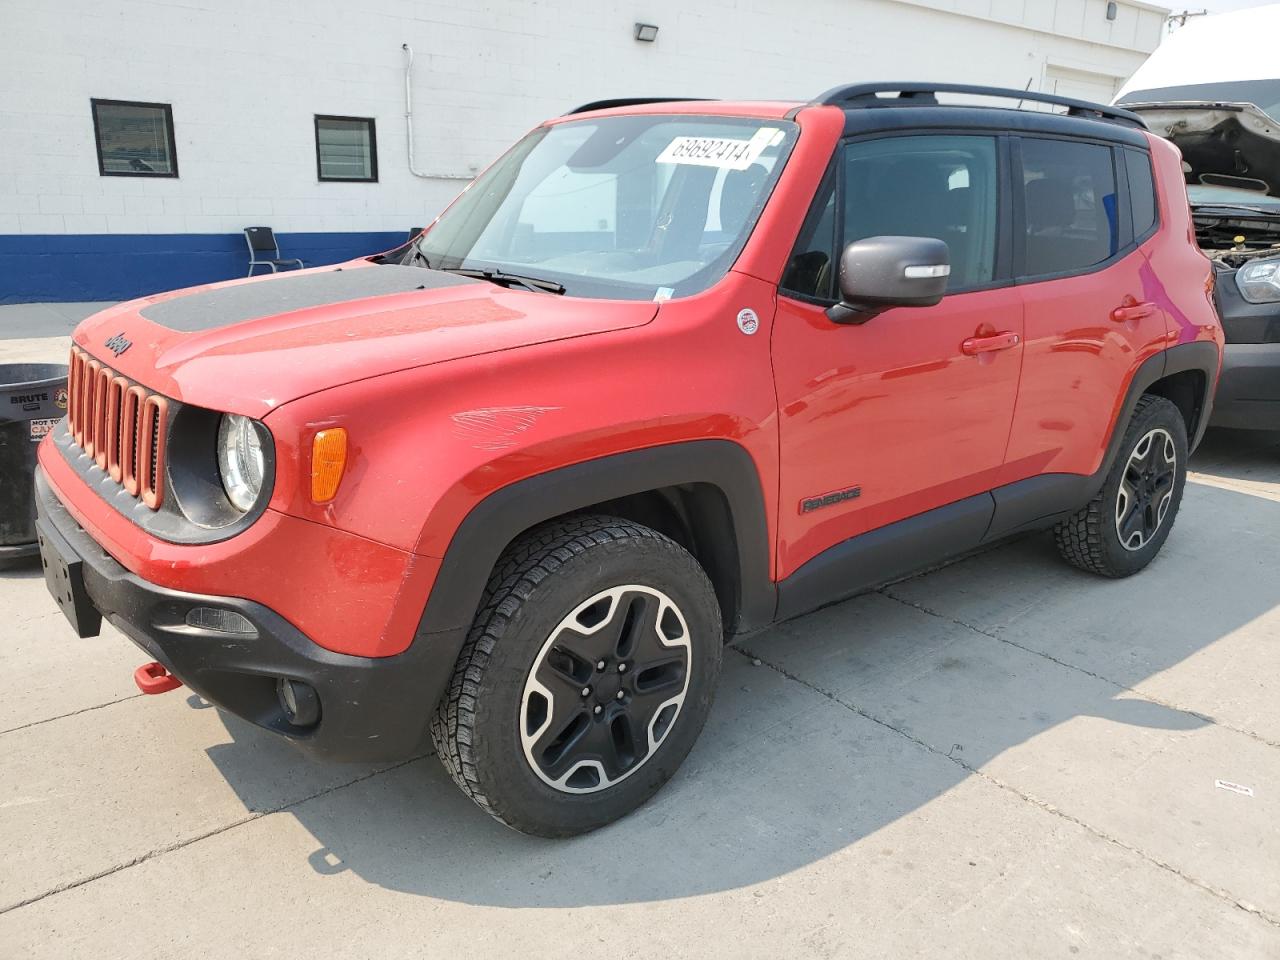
249 346
1224 144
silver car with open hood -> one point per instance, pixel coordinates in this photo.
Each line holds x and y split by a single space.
1213 88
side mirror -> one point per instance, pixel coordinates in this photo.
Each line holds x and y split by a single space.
882 272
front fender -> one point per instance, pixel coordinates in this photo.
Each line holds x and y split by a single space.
506 513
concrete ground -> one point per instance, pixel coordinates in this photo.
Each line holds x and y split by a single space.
1002 758
40 332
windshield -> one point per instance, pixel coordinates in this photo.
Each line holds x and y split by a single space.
627 207
1263 94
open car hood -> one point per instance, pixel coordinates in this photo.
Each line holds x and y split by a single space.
1224 144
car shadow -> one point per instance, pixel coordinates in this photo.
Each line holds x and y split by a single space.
28 568
826 729
1239 454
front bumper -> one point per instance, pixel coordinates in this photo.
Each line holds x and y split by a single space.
371 708
1248 396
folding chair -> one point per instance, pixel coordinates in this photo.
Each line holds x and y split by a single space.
262 241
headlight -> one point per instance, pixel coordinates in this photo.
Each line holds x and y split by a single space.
240 460
1259 281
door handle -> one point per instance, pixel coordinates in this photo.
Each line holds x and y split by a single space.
997 341
1132 311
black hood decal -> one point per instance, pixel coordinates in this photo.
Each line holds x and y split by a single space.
210 309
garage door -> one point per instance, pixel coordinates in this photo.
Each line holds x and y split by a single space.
1081 84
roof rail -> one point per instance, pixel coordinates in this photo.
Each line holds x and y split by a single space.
869 95
629 102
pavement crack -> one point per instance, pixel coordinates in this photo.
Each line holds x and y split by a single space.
1180 708
73 713
1217 892
178 845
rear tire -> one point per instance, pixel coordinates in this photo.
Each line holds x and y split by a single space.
1122 529
585 679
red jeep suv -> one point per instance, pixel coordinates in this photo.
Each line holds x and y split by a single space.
667 373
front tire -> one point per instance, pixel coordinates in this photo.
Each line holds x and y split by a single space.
585 679
1122 529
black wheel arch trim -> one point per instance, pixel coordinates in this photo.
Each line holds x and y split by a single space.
1204 356
511 510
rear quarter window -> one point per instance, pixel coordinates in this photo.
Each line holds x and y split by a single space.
1142 191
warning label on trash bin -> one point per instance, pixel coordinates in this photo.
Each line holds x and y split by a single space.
40 427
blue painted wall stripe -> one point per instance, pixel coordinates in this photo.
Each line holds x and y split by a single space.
53 267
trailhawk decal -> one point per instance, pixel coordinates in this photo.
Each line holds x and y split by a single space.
809 504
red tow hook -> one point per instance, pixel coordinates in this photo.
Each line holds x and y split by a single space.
154 678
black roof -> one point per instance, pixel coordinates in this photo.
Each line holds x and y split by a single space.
872 107
991 119
926 94
915 106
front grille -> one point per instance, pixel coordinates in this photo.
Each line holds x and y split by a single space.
120 425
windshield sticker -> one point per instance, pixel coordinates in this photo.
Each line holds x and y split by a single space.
664 294
719 151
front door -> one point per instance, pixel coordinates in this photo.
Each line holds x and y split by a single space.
912 409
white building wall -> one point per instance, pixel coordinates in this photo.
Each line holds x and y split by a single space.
245 79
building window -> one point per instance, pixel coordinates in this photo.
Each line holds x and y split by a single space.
134 139
346 149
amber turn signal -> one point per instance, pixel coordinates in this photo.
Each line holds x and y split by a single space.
328 460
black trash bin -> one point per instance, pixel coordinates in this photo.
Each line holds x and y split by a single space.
33 398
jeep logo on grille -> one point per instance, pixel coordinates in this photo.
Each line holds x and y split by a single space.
118 344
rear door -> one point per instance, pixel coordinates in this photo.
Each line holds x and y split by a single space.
1092 308
911 410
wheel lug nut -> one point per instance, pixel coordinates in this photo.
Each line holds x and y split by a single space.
586 691
597 709
622 668
619 695
600 665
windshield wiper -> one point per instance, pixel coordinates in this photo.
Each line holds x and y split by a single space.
501 277
505 279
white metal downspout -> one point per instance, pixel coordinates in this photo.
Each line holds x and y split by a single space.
408 122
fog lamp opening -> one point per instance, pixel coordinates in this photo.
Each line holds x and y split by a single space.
299 701
223 621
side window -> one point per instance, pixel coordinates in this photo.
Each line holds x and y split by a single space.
1069 193
1142 191
811 270
942 187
